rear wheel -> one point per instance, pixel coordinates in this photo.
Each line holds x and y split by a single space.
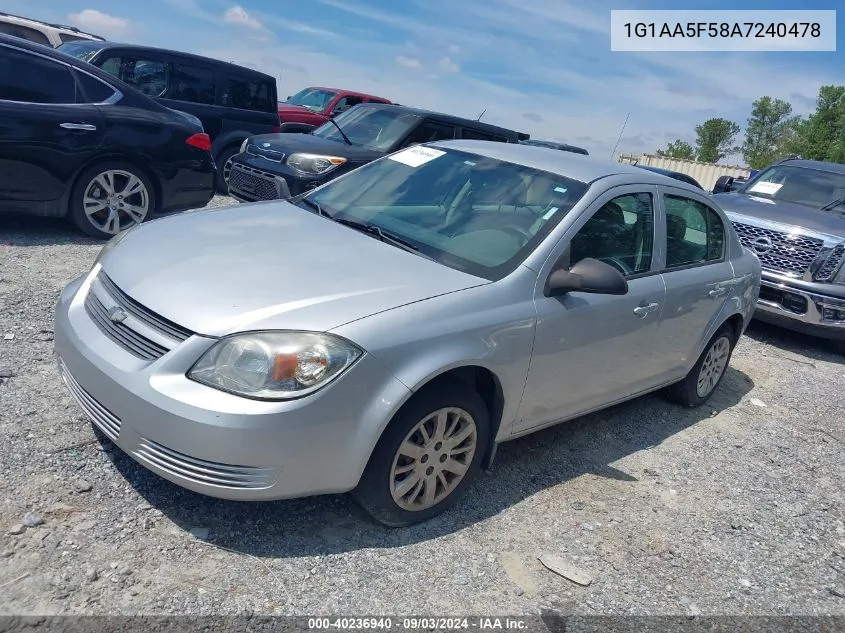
111 197
428 456
700 383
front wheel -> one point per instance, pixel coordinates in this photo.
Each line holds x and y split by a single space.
427 456
110 198
224 169
700 383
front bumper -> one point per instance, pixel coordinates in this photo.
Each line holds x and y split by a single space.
254 179
212 442
786 303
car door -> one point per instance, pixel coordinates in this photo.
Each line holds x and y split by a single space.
591 350
46 130
697 274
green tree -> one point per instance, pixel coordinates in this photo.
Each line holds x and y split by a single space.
716 138
822 135
678 149
770 133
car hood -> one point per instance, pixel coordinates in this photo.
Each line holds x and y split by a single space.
781 212
288 144
269 265
295 109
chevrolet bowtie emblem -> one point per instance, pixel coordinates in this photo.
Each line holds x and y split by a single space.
117 314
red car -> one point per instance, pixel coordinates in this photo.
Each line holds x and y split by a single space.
314 106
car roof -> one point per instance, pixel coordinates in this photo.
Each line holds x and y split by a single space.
837 168
576 166
62 27
566 147
103 46
448 118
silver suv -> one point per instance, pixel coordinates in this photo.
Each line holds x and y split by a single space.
53 35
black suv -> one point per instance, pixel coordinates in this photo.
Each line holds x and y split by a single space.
232 102
278 166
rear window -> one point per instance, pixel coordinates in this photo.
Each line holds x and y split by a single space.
250 94
83 49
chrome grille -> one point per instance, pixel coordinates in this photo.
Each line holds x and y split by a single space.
130 338
831 265
203 471
253 184
104 419
790 254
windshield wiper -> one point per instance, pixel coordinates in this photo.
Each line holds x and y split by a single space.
387 238
833 204
345 138
314 205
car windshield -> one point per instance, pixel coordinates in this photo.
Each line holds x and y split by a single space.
476 214
312 98
81 50
801 185
371 127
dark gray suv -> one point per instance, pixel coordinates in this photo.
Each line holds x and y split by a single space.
792 215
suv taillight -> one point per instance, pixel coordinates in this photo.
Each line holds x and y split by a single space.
276 128
200 141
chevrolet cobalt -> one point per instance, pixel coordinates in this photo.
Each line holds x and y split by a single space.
383 333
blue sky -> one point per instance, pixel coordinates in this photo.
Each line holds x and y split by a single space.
542 66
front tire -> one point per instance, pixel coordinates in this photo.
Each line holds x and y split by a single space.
707 373
427 457
224 168
111 197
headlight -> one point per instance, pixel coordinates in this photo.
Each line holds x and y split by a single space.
314 164
274 365
243 146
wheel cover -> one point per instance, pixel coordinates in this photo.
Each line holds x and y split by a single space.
115 200
713 366
433 459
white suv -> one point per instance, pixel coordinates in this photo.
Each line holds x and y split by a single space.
52 35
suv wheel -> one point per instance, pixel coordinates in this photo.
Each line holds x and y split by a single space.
224 168
110 198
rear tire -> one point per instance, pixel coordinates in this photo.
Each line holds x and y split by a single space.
707 373
427 457
110 197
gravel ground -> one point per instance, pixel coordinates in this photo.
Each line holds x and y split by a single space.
735 508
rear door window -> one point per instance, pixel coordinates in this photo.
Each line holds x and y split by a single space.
33 79
429 131
481 136
694 232
249 94
194 83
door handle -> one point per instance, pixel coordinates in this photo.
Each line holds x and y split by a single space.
87 127
718 292
641 311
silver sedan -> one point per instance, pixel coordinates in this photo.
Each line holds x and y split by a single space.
385 332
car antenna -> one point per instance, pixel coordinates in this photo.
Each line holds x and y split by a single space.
482 114
622 131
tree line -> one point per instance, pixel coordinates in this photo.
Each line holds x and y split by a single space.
772 132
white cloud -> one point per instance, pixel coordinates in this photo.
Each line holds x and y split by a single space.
449 66
238 16
100 23
408 62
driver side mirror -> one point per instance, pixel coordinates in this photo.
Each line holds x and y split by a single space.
723 184
588 275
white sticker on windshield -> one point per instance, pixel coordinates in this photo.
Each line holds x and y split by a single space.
550 213
769 188
416 156
560 189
